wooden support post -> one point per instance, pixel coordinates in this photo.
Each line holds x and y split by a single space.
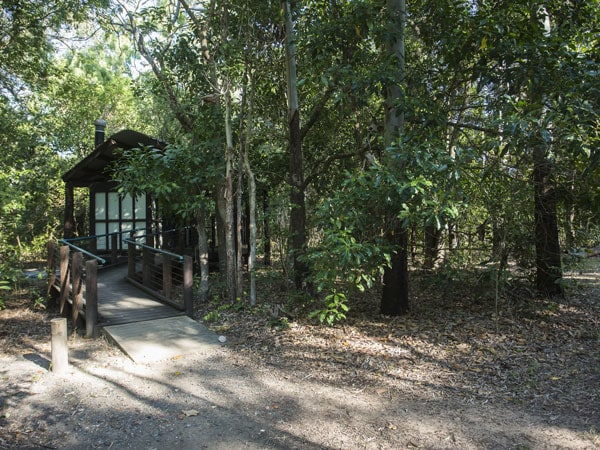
131 258
64 277
146 267
91 298
188 284
114 243
51 266
69 220
149 237
181 241
167 276
60 352
76 285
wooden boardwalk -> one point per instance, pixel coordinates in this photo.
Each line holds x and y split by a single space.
121 302
144 328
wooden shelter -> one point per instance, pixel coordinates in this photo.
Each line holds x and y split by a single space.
109 211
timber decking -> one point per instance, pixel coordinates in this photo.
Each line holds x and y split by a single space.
120 302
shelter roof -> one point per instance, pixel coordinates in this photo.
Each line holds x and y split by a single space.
93 168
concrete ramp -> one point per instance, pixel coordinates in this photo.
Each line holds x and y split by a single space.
155 340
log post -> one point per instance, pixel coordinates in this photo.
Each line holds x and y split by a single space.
51 266
76 285
64 277
114 243
60 352
167 276
91 298
188 284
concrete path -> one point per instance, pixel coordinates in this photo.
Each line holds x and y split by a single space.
160 339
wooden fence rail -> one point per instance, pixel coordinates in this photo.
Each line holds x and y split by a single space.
165 275
73 272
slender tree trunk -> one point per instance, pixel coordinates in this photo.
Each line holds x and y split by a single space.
394 298
230 278
203 254
297 200
244 156
431 240
266 228
239 282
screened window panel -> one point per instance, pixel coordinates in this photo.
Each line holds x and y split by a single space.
140 207
100 210
113 206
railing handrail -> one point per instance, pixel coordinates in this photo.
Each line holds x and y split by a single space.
149 247
82 250
95 236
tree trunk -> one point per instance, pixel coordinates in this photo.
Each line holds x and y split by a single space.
231 269
394 297
239 281
431 241
266 228
203 254
547 247
297 201
244 156
220 223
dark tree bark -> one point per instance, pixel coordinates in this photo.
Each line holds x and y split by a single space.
432 237
266 229
547 247
298 208
394 297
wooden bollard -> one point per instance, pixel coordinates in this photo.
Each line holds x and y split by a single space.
60 352
91 298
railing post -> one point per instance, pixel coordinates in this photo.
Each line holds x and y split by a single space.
188 284
91 298
131 257
51 266
146 267
64 277
76 285
167 276
114 248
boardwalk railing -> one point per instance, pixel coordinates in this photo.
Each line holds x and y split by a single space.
73 274
164 274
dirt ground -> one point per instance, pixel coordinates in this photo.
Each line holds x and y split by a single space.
451 375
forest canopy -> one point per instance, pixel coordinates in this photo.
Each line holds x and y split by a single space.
366 139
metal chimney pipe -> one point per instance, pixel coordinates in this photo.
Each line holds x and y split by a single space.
100 125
